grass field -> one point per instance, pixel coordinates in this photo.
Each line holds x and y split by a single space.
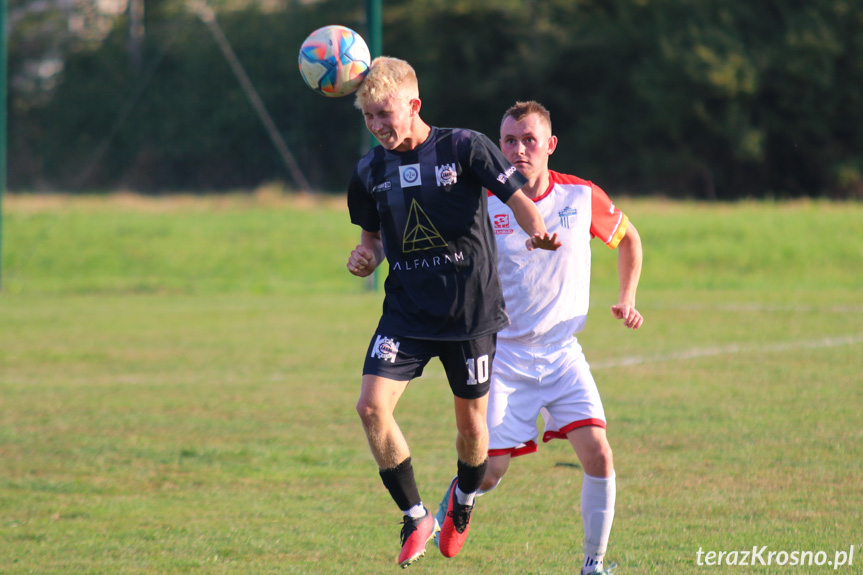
178 379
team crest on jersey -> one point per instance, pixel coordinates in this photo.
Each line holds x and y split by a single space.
410 175
500 223
385 348
568 217
446 174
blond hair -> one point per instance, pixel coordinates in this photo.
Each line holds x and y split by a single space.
387 76
520 110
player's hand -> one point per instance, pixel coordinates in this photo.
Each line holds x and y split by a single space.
627 312
361 263
543 242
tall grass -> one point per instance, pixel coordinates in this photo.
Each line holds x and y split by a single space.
240 244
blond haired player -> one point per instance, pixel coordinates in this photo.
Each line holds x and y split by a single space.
540 367
420 200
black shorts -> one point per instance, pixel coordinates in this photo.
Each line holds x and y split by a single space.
467 363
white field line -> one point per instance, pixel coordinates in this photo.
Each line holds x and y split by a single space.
748 307
731 349
766 308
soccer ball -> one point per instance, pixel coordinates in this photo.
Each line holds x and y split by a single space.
334 60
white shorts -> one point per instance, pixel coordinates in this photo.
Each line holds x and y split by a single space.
528 380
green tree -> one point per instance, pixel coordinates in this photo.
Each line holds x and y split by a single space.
700 98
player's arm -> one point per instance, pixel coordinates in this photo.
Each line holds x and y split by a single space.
368 255
629 258
530 220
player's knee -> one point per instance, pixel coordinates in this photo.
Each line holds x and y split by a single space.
473 431
369 413
489 483
492 478
494 472
599 460
607 458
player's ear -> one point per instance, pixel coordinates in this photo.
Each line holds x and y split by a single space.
415 104
552 144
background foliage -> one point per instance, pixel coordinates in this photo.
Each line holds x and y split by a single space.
715 99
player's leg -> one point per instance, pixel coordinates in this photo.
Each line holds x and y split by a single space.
472 448
471 445
593 450
376 406
513 406
497 468
386 374
574 411
468 366
598 492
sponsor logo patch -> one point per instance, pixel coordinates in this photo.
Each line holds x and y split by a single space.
383 187
502 178
410 175
500 223
420 232
428 263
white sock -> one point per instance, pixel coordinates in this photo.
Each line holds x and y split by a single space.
464 498
415 512
597 513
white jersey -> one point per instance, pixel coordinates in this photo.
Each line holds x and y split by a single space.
547 293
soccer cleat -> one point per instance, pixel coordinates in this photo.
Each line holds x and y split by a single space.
441 515
456 523
599 570
415 534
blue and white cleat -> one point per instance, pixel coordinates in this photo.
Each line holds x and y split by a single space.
441 515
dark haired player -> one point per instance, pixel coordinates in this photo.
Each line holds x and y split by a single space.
540 367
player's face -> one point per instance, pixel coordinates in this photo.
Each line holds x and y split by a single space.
391 121
527 144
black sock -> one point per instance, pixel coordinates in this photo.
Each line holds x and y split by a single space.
470 477
402 485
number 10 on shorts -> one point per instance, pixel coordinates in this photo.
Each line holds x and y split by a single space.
477 370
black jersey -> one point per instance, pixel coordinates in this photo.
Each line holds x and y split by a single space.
431 207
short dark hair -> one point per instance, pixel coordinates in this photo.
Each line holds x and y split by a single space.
519 110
